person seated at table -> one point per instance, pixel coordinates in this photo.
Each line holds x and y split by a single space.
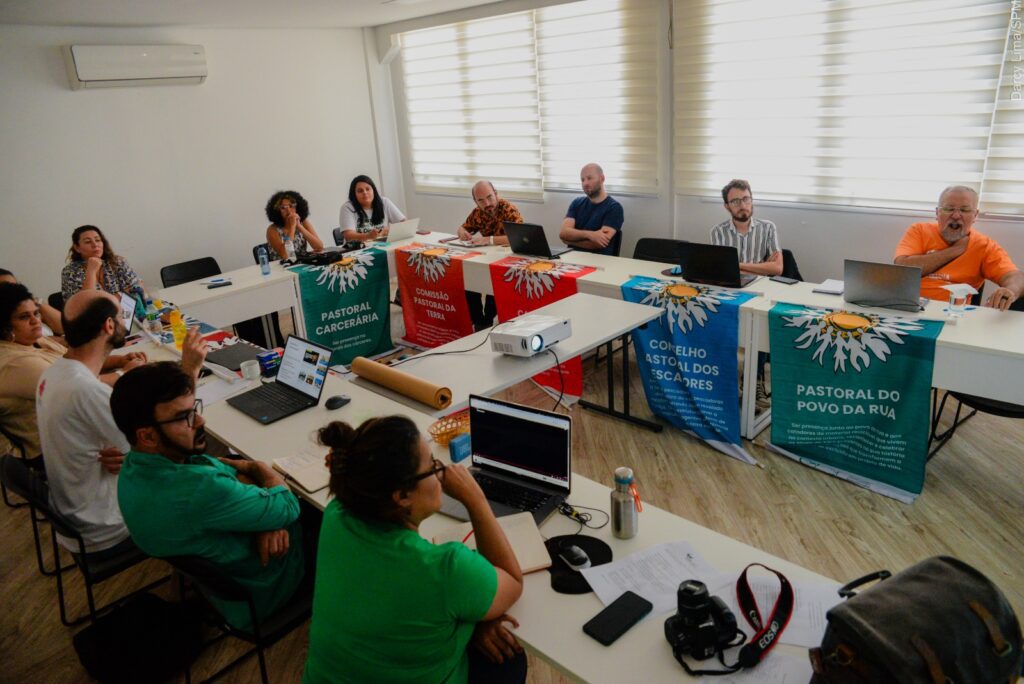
25 353
388 605
951 252
50 315
366 215
593 222
485 225
176 501
93 265
288 213
756 240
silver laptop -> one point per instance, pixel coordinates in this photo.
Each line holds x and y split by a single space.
887 286
400 231
521 457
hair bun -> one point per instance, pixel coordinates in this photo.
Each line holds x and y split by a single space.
337 435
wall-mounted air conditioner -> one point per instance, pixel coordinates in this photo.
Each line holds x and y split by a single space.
108 66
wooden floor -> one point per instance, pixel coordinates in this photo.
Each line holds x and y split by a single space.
972 507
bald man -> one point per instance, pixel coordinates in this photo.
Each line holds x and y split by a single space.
593 222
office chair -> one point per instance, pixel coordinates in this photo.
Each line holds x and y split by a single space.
789 267
210 581
56 300
339 239
187 271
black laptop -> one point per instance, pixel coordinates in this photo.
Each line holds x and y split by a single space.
712 265
521 458
298 385
528 239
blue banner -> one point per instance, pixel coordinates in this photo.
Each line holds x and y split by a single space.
688 358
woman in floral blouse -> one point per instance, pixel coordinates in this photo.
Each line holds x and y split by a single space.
93 264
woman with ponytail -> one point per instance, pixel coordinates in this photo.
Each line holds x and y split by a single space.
389 606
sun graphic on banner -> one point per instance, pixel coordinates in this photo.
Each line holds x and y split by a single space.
853 337
537 276
429 262
685 305
347 272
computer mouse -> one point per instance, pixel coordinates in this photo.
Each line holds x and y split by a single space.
337 401
575 557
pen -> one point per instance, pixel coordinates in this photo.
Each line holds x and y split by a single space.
466 538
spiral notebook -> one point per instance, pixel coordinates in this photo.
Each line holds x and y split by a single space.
522 533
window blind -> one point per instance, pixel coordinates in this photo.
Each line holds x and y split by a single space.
1002 190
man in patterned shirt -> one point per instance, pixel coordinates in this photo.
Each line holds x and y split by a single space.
485 225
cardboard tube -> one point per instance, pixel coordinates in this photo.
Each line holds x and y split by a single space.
404 383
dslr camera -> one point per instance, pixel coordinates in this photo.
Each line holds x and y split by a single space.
703 625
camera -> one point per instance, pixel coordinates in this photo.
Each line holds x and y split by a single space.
703 625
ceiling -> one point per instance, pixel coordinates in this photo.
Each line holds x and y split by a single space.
224 13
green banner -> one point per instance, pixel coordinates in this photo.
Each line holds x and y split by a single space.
346 305
851 394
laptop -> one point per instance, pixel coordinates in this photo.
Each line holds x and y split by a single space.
887 286
521 458
128 305
298 385
400 231
528 239
712 265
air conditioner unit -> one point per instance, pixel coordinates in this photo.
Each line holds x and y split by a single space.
108 66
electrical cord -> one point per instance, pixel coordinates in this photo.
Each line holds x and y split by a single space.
583 518
445 353
561 380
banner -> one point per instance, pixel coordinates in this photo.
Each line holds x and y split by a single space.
433 293
851 394
688 358
346 305
522 284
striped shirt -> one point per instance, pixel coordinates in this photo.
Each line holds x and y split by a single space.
758 245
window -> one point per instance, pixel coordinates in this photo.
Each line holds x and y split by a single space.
523 101
877 103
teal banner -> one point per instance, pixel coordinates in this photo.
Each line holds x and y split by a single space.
851 394
346 305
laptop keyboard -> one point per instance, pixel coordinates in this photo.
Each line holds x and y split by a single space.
513 495
273 393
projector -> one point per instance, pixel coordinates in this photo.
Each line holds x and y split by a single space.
529 334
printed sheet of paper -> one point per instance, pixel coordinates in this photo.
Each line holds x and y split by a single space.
777 668
653 573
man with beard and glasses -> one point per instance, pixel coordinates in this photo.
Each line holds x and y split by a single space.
82 445
594 222
950 252
178 501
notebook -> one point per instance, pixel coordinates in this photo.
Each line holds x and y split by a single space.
529 239
307 470
521 458
298 385
712 265
522 534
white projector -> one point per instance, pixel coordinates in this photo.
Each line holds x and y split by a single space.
529 334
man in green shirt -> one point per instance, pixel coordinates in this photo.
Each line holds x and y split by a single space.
176 501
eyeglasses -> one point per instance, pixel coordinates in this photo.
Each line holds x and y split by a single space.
437 470
962 210
188 416
740 201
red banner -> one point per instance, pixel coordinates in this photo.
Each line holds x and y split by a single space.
522 284
433 294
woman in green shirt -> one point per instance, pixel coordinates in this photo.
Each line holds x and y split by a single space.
389 606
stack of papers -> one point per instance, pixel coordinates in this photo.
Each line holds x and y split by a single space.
830 286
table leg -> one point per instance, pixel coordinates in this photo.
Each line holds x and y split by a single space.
610 409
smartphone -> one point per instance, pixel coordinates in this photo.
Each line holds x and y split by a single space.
617 617
784 280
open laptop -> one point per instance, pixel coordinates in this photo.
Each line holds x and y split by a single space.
712 265
298 385
888 286
128 305
400 231
528 239
521 457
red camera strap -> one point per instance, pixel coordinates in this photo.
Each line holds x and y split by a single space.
767 634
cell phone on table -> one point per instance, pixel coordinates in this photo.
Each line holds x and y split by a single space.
784 280
617 617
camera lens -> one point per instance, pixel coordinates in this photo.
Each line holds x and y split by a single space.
693 602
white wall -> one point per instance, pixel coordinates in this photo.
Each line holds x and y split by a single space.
172 173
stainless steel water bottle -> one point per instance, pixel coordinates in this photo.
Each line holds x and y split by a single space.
625 519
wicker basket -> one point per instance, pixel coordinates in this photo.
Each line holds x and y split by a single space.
450 427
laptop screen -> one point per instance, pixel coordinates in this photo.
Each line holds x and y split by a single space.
304 366
127 312
520 440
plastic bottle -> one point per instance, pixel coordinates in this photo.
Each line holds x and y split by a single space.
178 328
289 248
152 323
625 505
264 261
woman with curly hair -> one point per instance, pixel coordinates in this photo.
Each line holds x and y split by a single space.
366 215
288 212
93 264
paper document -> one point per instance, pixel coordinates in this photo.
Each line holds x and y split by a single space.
653 573
306 469
830 286
215 389
777 668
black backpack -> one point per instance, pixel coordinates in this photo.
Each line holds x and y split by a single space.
937 622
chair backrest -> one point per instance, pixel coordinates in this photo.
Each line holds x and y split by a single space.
212 580
56 300
1018 304
662 250
187 271
789 267
617 243
271 252
339 239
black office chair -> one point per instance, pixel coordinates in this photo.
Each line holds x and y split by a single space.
56 300
617 243
187 271
789 267
339 239
36 464
661 250
271 252
1002 409
24 482
211 581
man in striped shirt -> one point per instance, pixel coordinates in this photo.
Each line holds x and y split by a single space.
756 241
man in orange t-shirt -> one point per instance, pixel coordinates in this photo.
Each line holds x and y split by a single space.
950 252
